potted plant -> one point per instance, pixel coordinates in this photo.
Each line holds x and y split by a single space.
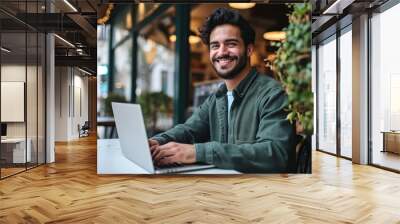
154 105
293 66
112 97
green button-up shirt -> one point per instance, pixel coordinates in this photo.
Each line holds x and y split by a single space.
259 140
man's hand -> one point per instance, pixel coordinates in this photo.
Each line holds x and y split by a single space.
153 144
173 152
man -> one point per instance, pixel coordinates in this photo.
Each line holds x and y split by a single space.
243 125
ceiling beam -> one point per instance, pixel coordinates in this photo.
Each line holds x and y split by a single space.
81 61
84 24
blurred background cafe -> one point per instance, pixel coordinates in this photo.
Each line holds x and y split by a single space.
151 53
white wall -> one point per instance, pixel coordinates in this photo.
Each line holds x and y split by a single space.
61 103
71 102
17 72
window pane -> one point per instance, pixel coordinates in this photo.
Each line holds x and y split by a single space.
327 96
122 86
346 94
155 72
145 9
103 34
385 84
122 23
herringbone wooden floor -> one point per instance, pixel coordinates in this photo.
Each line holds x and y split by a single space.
70 191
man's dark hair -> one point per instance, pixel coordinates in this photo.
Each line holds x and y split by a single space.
223 16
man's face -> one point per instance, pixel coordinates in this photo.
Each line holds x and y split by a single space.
228 54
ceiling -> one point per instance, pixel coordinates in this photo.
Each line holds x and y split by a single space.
74 22
329 15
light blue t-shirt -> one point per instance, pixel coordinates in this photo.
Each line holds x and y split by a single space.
229 94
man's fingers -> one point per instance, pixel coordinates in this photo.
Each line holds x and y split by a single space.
164 153
152 148
167 160
153 142
155 151
168 145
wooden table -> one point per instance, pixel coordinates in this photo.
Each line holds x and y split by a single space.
13 150
391 141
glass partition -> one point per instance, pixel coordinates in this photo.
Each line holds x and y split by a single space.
32 98
22 90
41 96
15 151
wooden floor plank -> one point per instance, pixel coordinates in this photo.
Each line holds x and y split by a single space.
70 191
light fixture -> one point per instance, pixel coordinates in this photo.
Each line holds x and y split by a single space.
65 41
172 38
79 51
242 5
84 71
141 11
128 21
275 35
5 50
70 5
337 7
193 39
105 18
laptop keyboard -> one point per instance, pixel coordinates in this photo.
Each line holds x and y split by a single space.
174 165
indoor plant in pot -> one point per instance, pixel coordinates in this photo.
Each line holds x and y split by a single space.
154 105
293 66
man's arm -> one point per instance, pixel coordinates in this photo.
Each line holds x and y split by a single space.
273 149
195 129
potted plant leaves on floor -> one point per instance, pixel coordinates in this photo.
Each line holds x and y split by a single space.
293 66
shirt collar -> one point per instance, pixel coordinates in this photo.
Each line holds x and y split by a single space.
240 89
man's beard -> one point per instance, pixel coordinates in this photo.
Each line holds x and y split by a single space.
242 62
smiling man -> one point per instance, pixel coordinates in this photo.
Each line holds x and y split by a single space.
242 126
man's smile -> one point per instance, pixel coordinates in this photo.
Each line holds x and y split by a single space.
223 62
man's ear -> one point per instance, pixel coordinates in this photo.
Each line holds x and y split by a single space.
250 49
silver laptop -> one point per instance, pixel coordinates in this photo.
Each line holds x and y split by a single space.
134 142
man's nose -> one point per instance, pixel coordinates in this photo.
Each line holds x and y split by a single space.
222 50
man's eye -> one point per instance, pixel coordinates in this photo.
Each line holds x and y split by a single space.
214 46
231 44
